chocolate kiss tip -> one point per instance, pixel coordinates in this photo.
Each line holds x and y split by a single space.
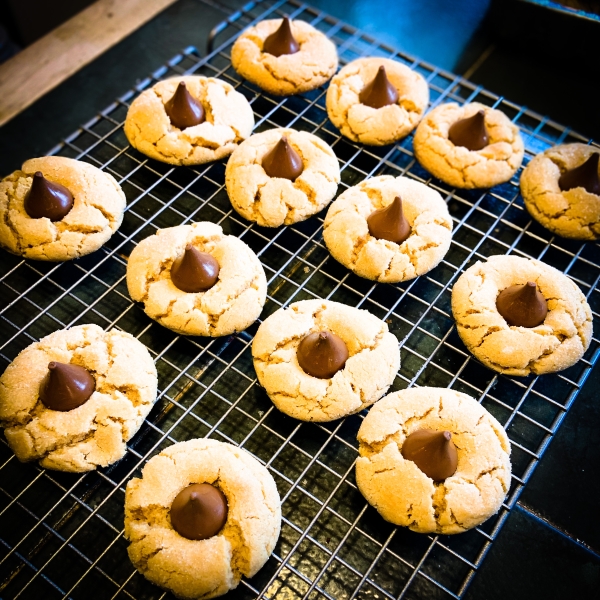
522 305
379 92
46 199
585 176
183 109
66 386
281 41
322 354
199 511
433 452
194 271
470 133
283 161
389 223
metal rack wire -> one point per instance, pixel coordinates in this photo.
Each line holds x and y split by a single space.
61 534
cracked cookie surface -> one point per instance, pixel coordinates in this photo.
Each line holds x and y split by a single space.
456 165
559 342
94 434
229 120
231 305
210 567
275 201
346 232
313 65
571 214
369 371
98 205
376 126
402 493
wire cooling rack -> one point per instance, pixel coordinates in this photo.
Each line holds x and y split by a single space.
61 535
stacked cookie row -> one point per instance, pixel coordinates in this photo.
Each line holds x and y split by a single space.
430 459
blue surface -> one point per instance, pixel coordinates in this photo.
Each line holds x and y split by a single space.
436 31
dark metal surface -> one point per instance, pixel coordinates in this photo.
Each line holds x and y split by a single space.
61 534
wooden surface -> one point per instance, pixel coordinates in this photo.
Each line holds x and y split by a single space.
49 61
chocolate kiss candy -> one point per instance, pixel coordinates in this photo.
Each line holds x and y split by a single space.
194 271
389 223
433 452
183 109
470 132
522 305
322 354
66 386
283 161
199 511
282 41
47 199
585 176
379 92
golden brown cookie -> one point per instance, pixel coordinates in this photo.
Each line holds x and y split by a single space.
202 568
308 68
559 342
374 359
347 236
274 201
376 126
97 212
93 434
405 495
574 213
495 163
228 121
232 304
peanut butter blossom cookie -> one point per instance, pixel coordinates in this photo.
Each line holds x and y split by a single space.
195 280
58 208
281 176
561 189
188 120
203 515
433 460
388 229
320 360
470 146
520 316
376 101
73 399
284 57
